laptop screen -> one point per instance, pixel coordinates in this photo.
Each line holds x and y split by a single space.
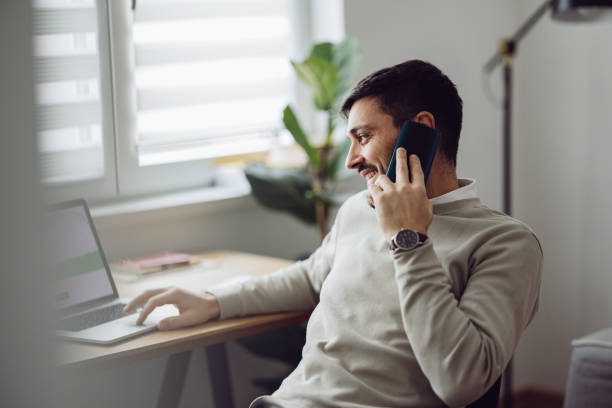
79 266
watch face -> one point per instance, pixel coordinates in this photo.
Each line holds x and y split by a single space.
407 239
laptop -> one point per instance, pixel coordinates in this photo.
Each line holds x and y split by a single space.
86 298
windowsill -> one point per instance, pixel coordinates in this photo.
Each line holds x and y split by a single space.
230 184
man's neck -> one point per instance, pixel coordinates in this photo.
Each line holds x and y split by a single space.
440 183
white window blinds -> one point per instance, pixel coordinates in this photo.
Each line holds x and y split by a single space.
66 71
211 76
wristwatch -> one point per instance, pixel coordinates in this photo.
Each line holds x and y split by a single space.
407 239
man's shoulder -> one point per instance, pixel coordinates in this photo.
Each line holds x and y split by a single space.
354 206
502 224
484 223
355 201
504 219
360 197
473 208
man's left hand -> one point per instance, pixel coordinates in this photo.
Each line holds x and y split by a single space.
403 204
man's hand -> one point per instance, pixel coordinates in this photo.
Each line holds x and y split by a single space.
403 204
193 308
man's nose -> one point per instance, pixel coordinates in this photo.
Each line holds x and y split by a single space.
354 158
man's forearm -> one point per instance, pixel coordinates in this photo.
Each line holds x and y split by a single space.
283 290
295 287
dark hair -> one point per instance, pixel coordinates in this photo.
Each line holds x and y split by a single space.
405 89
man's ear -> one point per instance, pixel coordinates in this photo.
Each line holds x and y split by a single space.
425 118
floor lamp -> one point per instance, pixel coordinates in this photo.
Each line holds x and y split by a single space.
562 10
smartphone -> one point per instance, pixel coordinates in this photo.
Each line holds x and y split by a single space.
416 139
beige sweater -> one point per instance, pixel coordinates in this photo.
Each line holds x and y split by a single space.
423 328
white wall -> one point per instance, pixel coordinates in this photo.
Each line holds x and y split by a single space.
563 143
562 140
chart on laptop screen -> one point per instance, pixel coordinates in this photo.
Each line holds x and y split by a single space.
78 266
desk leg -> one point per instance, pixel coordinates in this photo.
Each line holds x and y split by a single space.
174 379
218 372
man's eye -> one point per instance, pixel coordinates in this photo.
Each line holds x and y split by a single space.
362 138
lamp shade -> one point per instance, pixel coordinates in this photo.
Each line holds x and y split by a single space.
580 10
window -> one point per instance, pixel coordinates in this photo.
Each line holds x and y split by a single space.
73 99
189 80
211 76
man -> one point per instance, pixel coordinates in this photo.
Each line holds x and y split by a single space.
419 301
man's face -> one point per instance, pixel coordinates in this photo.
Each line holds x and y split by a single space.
373 138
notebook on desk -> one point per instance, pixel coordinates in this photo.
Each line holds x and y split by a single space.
86 297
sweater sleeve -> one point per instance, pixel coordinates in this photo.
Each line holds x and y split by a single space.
295 287
463 345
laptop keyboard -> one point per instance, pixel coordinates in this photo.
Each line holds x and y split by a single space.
93 318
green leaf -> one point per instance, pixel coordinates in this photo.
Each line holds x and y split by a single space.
336 167
346 57
322 77
323 50
282 189
293 126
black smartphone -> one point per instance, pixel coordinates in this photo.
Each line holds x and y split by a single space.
416 139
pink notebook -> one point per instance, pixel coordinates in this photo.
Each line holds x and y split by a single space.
153 263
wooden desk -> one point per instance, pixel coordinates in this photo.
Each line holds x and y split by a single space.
214 268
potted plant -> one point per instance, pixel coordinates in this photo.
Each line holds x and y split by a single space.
305 192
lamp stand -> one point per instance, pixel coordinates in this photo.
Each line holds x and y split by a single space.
508 48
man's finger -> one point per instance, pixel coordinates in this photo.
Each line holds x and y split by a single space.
374 191
401 167
174 322
142 299
164 298
373 188
416 170
384 182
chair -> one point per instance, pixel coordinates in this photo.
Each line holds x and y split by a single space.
589 383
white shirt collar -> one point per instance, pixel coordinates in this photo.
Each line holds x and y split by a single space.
467 189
